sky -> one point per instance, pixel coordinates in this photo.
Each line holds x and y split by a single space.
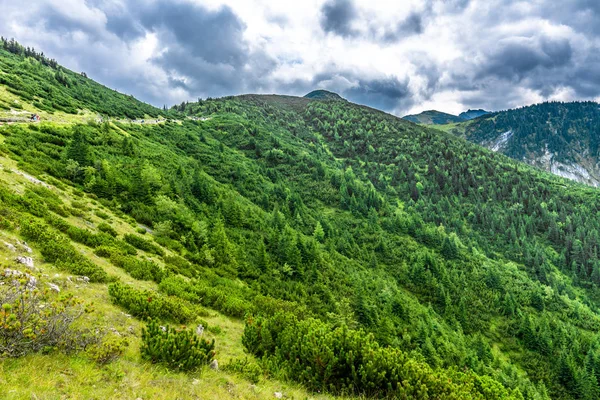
399 56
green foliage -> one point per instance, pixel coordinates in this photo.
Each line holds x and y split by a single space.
179 349
30 75
35 320
146 304
111 348
351 362
143 244
57 249
456 257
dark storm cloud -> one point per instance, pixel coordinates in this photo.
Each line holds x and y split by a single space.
337 17
412 25
215 36
516 58
384 94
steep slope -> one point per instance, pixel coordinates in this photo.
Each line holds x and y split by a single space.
433 117
558 137
438 269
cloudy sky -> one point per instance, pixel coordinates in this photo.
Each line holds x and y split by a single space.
400 56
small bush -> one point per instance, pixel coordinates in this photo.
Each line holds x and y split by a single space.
106 228
147 304
108 350
34 320
102 214
179 349
138 268
141 231
245 367
143 244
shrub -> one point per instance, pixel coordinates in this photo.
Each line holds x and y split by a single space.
33 320
105 251
147 304
138 268
108 350
179 349
344 361
143 244
102 214
225 300
106 228
245 367
57 249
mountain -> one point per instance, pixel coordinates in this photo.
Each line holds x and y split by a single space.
471 114
323 95
432 117
561 138
313 248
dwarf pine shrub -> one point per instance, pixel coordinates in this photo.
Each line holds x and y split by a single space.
179 349
148 304
344 361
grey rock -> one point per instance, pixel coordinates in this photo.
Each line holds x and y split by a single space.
200 330
9 246
214 365
278 395
27 261
54 287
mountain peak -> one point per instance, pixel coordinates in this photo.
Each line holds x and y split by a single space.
321 94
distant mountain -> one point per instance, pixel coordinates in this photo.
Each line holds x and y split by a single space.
559 137
471 114
433 117
323 95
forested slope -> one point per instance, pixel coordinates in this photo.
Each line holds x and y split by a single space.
367 255
562 138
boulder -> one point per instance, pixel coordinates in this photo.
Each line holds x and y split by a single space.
27 261
214 365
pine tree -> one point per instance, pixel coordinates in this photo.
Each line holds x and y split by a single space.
79 149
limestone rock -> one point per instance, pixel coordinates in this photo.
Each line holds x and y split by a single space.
27 261
54 287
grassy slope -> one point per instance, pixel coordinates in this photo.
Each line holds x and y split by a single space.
78 377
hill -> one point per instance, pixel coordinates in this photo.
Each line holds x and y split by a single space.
323 95
329 249
558 137
432 117
471 114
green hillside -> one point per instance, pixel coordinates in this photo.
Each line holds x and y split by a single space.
329 249
433 117
559 137
323 95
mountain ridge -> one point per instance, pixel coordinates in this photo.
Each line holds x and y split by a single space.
266 222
